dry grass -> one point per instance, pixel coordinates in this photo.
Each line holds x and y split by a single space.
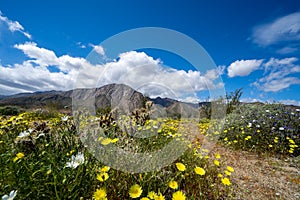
261 177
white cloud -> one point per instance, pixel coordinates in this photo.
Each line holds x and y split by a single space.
98 49
283 29
273 62
243 67
41 56
286 50
278 75
135 69
14 26
285 101
250 100
80 45
290 102
276 84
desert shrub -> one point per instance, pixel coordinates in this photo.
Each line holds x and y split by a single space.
270 128
9 110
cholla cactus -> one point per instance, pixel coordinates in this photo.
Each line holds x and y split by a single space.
143 114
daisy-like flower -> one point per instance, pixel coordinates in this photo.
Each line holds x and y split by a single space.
179 195
114 140
200 171
18 156
64 118
159 197
145 198
100 194
76 160
135 191
151 195
23 134
105 169
11 195
226 181
180 167
173 185
106 141
217 163
217 156
228 173
103 176
230 169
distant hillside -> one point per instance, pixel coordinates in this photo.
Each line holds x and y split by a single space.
104 97
112 95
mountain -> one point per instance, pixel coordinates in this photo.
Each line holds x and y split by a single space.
114 96
111 95
2 96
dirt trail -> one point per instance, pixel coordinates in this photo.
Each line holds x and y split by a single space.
260 177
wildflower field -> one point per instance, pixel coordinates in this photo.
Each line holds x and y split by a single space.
42 156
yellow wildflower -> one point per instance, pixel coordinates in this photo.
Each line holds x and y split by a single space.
105 169
199 171
230 169
103 176
152 195
135 191
100 194
106 141
179 195
217 163
227 173
180 167
226 181
19 156
173 185
159 197
114 140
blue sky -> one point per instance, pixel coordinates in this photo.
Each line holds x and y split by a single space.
254 44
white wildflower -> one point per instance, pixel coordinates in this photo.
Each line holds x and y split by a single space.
281 128
267 111
23 134
11 195
64 118
76 160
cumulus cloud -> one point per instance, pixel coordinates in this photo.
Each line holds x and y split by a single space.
290 102
41 56
98 49
135 69
14 26
138 70
243 67
279 74
286 28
